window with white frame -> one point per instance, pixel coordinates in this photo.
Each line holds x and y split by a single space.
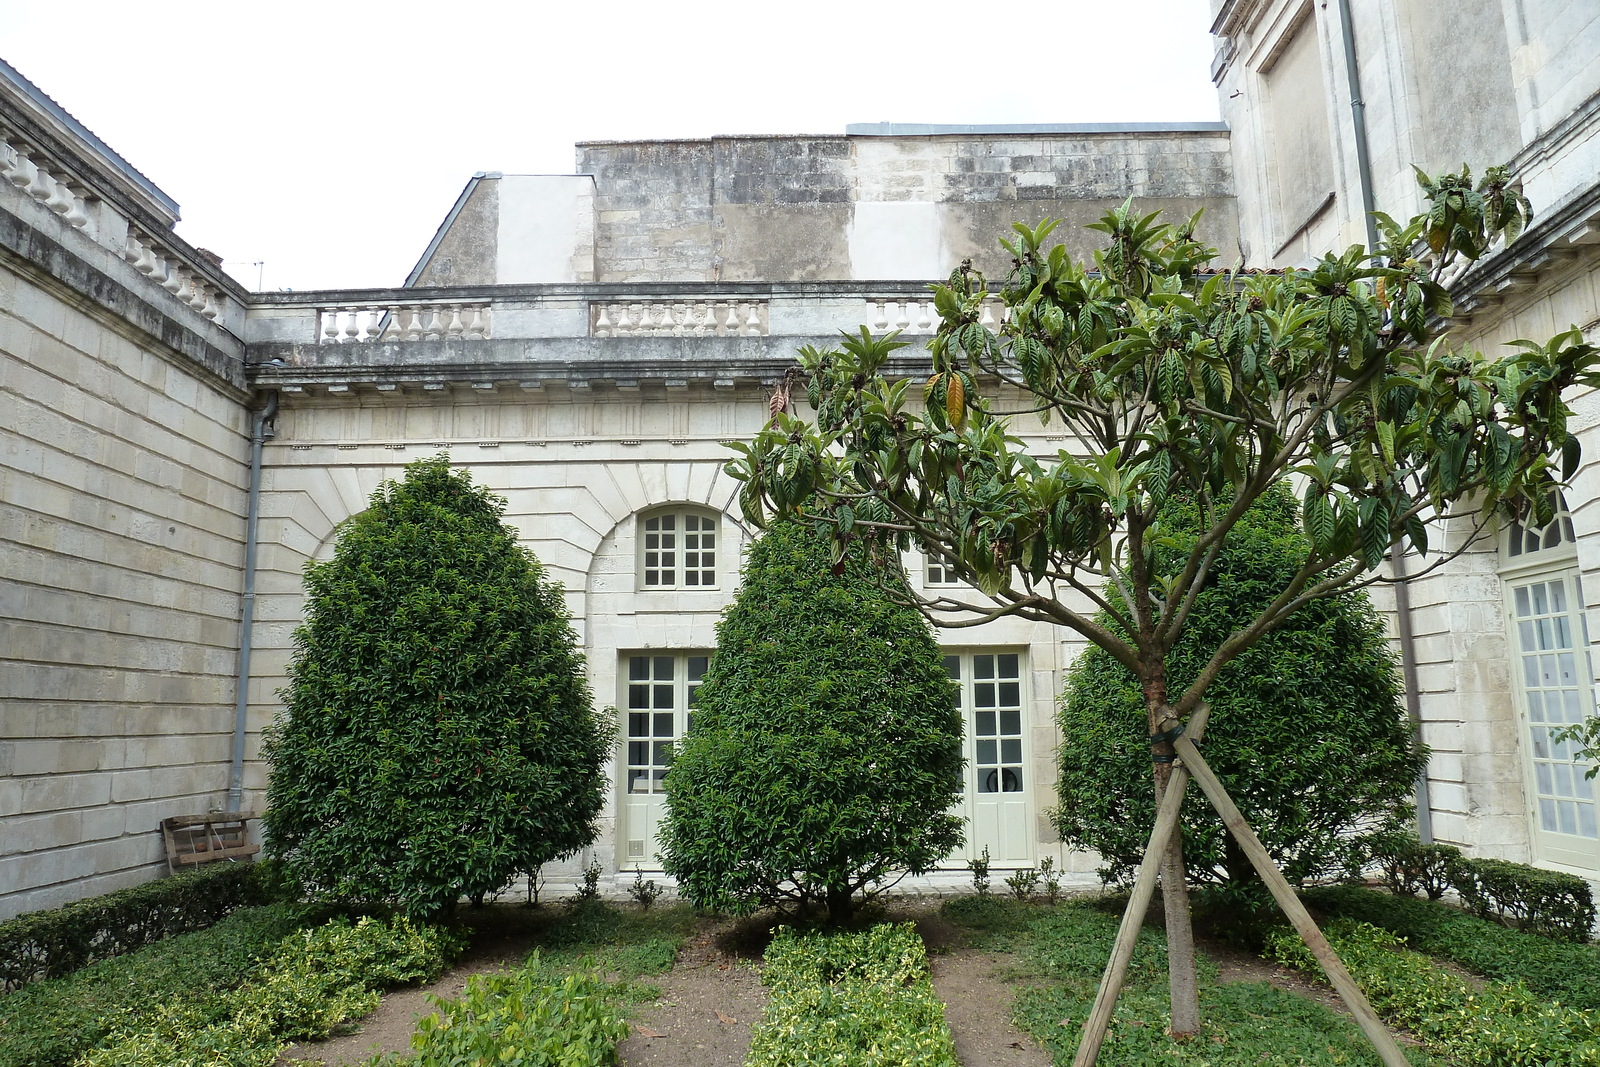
678 550
940 572
1554 683
658 694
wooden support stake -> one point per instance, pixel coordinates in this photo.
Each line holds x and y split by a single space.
1094 1030
1388 1051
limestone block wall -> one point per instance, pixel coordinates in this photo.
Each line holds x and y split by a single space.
577 472
868 206
123 465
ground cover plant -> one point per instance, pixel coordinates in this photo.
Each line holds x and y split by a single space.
1059 954
1555 969
825 752
314 981
1171 377
439 738
58 941
1308 731
51 1022
863 999
1496 1024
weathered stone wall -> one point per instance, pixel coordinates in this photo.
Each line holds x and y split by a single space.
123 462
881 207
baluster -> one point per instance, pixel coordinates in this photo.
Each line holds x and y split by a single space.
924 316
330 326
22 173
986 317
730 325
132 252
602 322
455 329
148 264
210 308
373 325
679 314
899 315
196 296
705 320
414 324
664 321
476 329
880 319
435 328
176 282
42 185
752 324
77 217
394 331
10 162
624 323
60 198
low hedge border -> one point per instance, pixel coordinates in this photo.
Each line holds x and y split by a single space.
50 1023
49 944
1565 972
864 999
315 981
1499 1025
1549 903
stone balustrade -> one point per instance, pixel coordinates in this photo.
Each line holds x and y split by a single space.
919 316
57 192
394 321
164 268
711 317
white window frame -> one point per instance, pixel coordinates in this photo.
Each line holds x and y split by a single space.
641 701
1006 811
656 559
1541 557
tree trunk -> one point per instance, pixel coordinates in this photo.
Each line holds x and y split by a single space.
841 906
1384 1042
1094 1029
1182 982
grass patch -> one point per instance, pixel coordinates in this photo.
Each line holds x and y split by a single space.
52 1022
1060 954
1559 970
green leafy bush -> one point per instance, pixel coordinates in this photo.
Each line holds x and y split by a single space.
1558 971
1498 1025
50 1023
1545 902
860 999
439 736
525 1018
1411 867
826 746
314 981
49 944
1307 731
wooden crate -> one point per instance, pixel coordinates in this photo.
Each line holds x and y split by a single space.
221 835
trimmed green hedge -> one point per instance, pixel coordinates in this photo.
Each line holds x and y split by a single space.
860 999
316 980
1531 898
1499 1025
1564 972
50 1023
49 944
524 1018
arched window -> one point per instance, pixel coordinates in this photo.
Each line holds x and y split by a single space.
1554 683
678 549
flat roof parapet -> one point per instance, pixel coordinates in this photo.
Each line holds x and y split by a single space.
934 129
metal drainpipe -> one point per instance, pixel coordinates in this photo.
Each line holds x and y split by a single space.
1402 594
262 431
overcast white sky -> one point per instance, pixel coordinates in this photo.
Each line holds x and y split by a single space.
328 139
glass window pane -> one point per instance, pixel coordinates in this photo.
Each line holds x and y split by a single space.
1008 665
1011 722
988 781
1010 694
1011 751
663 668
1558 597
952 666
1522 601
1547 814
986 754
983 666
638 696
656 780
1574 712
1568 667
638 724
697 667
1586 826
669 522
1011 778
983 723
1545 780
1563 780
1535 708
638 752
639 668
1568 813
983 694
663 724
1541 599
660 752
638 781
663 696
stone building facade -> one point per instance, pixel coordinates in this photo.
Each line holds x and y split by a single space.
586 345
